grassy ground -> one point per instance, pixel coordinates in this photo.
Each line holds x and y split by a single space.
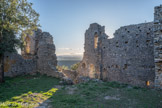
31 91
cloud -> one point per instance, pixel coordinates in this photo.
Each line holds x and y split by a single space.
64 48
69 51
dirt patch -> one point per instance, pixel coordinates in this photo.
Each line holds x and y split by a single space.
71 90
45 104
111 98
58 86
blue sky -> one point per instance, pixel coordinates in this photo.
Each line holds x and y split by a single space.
67 20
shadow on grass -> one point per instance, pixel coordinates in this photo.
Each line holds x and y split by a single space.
34 89
26 84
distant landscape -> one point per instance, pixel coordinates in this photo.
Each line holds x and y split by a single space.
68 60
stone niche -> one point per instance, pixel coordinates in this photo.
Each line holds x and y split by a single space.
38 55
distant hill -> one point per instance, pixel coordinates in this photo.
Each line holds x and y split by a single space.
69 57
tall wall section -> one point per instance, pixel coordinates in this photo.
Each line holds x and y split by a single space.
91 63
45 54
127 58
158 46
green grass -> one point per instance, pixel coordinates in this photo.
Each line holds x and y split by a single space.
33 89
91 95
26 90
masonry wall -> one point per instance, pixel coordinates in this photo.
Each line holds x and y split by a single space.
127 58
91 63
158 46
38 55
16 65
46 57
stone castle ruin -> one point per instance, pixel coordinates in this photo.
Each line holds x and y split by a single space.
133 56
38 55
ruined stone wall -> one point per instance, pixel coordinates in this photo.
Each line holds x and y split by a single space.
38 55
91 63
15 65
46 57
158 46
127 58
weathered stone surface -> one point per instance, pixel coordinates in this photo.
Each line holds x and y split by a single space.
46 57
67 81
158 46
126 58
70 74
16 65
82 79
56 74
37 56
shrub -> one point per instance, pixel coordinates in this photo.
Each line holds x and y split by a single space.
61 68
75 66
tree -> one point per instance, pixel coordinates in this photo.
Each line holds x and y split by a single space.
9 44
16 17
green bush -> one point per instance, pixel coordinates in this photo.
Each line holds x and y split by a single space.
61 68
75 66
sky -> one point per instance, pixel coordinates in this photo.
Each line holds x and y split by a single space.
67 20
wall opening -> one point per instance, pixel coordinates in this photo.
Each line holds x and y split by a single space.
161 31
136 41
148 41
27 49
83 65
117 66
27 41
125 66
147 83
104 69
148 33
92 71
96 40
